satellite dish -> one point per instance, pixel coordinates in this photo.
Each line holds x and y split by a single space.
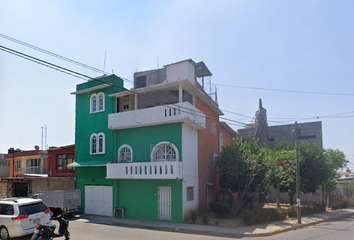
36 147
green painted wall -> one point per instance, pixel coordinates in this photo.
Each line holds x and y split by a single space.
88 123
92 176
112 79
143 139
140 198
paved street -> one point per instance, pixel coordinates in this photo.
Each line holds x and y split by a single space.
91 230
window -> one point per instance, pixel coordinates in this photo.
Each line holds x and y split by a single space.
17 167
97 102
93 144
33 166
164 151
97 143
63 160
221 141
212 127
125 154
190 193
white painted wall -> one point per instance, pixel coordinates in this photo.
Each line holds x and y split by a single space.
180 71
178 112
190 167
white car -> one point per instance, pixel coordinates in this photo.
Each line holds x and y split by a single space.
19 216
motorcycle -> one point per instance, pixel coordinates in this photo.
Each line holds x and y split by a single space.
47 232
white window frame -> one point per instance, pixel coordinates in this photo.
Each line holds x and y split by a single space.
98 135
131 153
95 101
163 144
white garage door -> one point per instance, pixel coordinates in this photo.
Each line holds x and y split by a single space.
99 200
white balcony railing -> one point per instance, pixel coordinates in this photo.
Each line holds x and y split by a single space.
145 170
179 112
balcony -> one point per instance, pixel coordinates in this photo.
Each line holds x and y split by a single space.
179 112
144 170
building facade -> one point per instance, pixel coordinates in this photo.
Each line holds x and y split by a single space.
149 149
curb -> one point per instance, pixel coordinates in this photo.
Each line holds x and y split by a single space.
265 234
234 235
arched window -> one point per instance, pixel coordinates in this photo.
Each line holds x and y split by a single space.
97 102
97 143
164 151
101 101
93 145
125 154
93 103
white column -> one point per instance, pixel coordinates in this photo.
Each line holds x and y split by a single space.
135 101
180 92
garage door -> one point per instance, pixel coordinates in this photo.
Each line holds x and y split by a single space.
98 200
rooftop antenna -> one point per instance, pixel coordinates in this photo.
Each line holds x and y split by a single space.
104 62
45 138
42 140
157 71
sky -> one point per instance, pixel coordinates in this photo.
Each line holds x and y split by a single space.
297 56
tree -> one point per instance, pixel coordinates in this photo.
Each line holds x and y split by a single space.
281 167
335 161
242 170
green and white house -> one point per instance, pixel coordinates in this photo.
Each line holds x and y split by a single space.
138 148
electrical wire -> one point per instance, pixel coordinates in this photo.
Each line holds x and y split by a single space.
286 90
58 56
82 76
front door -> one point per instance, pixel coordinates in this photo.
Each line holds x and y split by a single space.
20 189
165 203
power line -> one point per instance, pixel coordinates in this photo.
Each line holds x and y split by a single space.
87 78
286 90
57 55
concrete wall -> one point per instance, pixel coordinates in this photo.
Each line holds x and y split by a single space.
310 131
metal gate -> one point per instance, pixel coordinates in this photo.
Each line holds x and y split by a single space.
98 200
164 203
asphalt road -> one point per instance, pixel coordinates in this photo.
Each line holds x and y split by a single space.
83 229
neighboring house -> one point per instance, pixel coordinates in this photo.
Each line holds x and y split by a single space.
58 160
30 162
25 172
149 149
310 131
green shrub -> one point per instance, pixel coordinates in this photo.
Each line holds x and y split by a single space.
220 208
205 219
339 204
221 196
292 212
306 210
264 216
249 218
193 215
318 207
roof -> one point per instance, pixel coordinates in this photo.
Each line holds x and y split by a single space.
202 70
89 163
228 128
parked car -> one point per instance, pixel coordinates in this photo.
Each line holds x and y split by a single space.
19 216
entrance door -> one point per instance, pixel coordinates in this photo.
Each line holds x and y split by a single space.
98 200
20 189
165 203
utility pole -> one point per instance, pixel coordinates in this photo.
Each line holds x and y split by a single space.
298 199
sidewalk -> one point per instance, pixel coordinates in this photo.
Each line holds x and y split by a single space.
249 231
